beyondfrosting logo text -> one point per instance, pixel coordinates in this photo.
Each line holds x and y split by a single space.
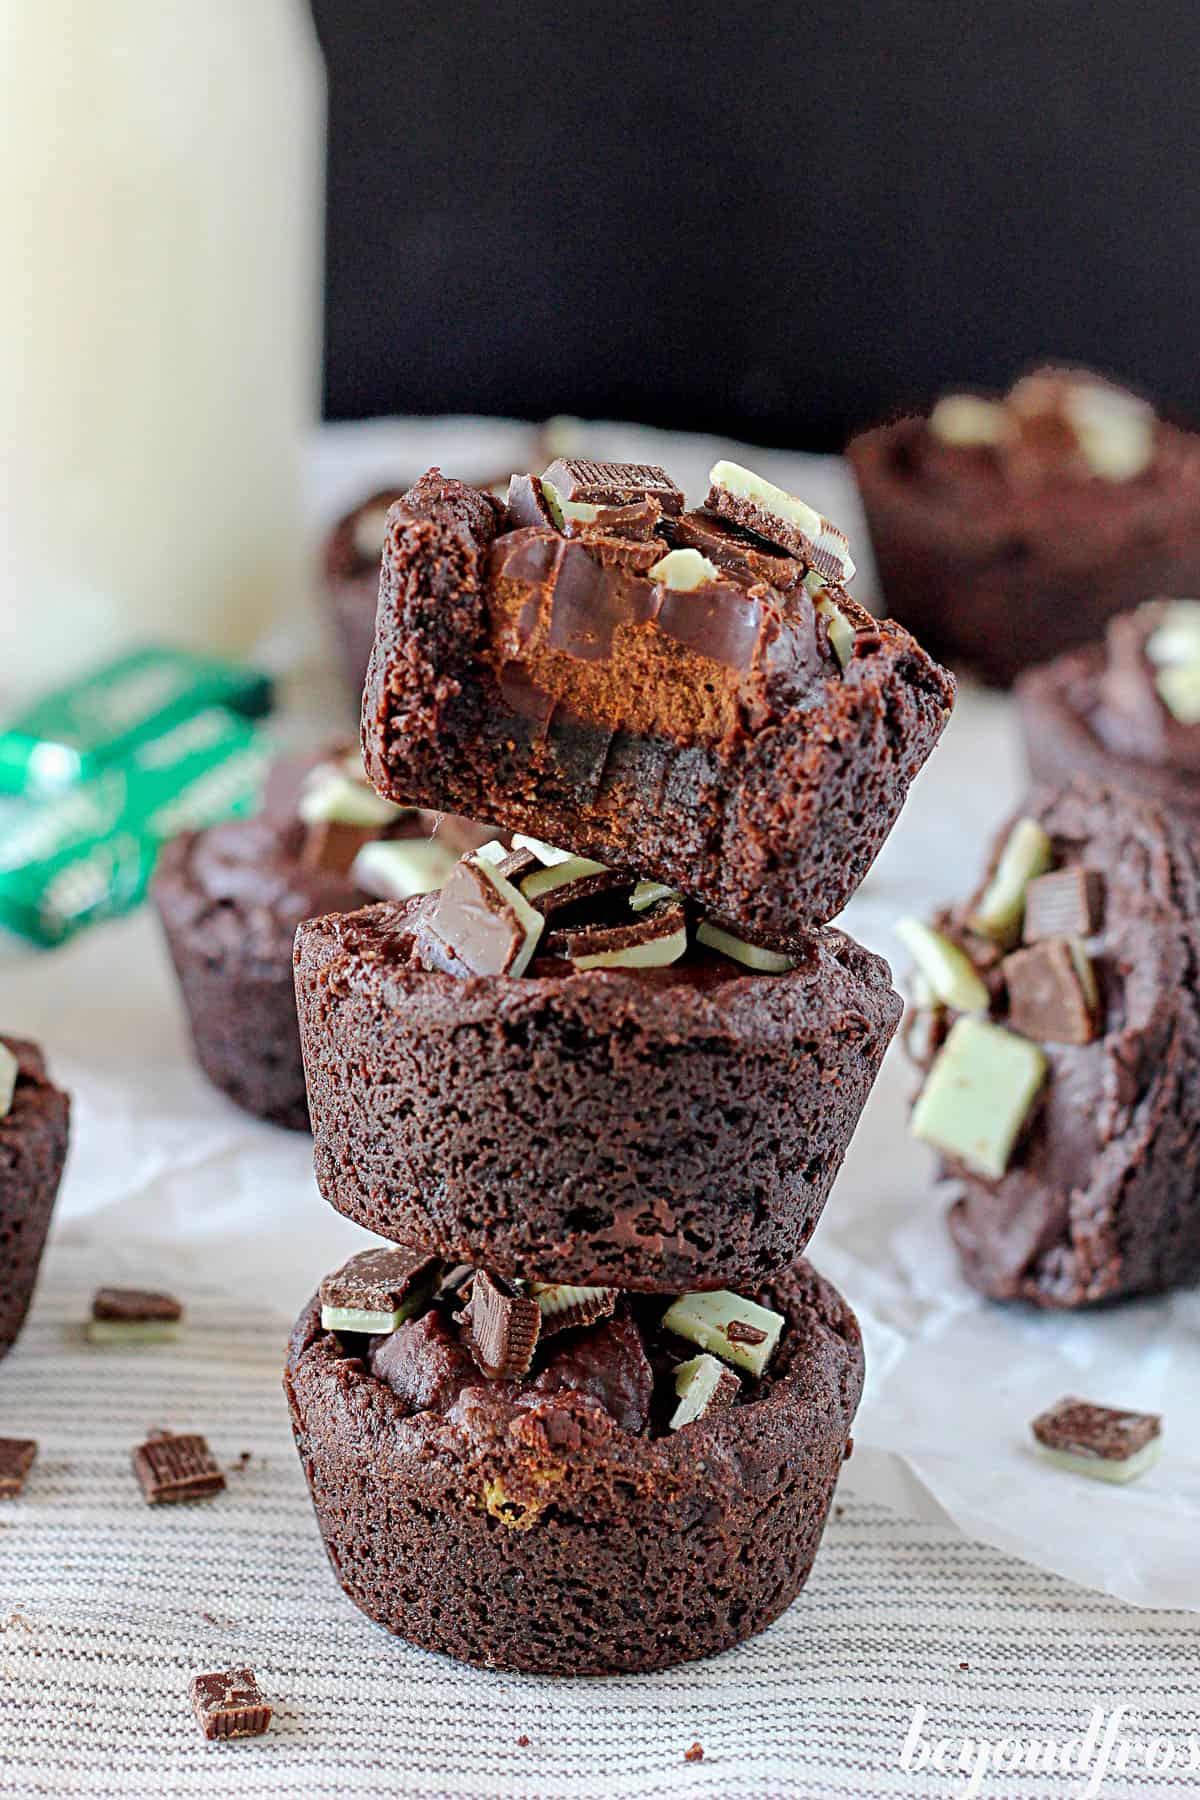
1109 1746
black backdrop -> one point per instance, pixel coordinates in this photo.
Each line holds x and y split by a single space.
776 222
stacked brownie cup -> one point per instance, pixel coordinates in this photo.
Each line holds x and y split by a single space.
588 1413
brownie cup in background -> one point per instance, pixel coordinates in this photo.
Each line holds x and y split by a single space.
1059 1035
615 1502
1125 711
1008 532
230 899
34 1123
630 1105
351 569
692 694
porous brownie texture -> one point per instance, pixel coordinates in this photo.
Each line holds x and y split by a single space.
996 578
33 1149
660 1129
761 781
540 1535
1102 1196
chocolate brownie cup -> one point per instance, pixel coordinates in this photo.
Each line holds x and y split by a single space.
659 1127
34 1121
1126 711
1060 1037
230 899
352 553
691 694
1008 532
590 1515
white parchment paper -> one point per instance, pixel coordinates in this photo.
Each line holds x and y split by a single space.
175 1181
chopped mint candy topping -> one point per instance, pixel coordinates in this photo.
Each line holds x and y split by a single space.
700 1384
1027 854
978 1095
8 1079
683 571
737 1330
948 971
398 868
751 956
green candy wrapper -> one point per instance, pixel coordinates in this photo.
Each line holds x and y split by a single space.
72 735
88 854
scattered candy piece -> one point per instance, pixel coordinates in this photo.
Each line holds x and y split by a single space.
133 1316
1099 1441
504 1326
978 1094
228 1704
737 1330
17 1457
702 1385
1069 903
172 1469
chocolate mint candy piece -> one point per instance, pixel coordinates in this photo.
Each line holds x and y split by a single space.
484 920
1115 430
649 893
526 505
16 1459
338 793
978 1095
1099 1441
1052 992
398 868
751 956
1066 904
503 1325
548 854
578 479
9 1067
651 941
841 631
969 422
1173 648
702 1385
683 571
332 845
563 1307
172 1469
133 1316
369 533
568 873
752 501
733 548
228 1704
1000 909
377 1290
737 1330
949 972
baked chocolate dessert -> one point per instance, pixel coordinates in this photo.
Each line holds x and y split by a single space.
689 693
230 899
559 1070
1059 1032
34 1121
1007 532
352 552
572 1482
1126 711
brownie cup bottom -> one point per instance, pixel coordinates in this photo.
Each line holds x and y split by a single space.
33 1149
543 1536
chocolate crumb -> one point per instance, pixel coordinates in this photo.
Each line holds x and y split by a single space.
16 1459
695 1754
523 1741
964 1665
738 1332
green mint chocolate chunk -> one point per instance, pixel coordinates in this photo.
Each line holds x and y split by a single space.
737 1330
8 1079
702 1385
398 868
978 1095
545 853
559 873
1001 907
683 571
949 973
353 1318
751 956
1102 1468
334 794
649 893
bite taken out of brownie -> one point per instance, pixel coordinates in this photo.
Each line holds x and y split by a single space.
1009 531
230 898
689 693
1058 1030
571 1481
1125 711
34 1125
565 1072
